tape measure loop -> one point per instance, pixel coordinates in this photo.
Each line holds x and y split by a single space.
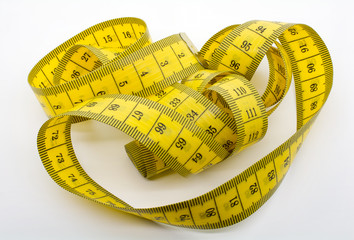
184 117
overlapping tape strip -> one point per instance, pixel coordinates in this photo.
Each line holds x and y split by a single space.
186 110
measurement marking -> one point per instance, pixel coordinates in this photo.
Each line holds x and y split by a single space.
174 140
298 39
47 78
200 115
217 210
69 98
93 34
220 130
308 58
136 37
130 113
190 212
107 106
290 155
239 197
55 112
55 125
177 56
138 75
275 169
91 89
230 68
86 104
165 94
117 37
276 99
81 185
259 186
181 103
312 78
100 197
154 124
63 169
62 144
257 33
159 66
44 86
192 154
252 119
314 96
80 65
115 82
281 74
164 214
243 96
242 51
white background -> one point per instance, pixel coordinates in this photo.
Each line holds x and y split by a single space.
315 200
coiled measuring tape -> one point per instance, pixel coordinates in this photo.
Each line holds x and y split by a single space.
186 110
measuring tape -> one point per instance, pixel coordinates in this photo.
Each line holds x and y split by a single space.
186 110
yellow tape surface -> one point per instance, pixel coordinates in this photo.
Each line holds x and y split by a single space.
186 110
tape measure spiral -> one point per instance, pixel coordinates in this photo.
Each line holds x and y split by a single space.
186 110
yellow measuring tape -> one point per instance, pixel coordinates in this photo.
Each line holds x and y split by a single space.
186 110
